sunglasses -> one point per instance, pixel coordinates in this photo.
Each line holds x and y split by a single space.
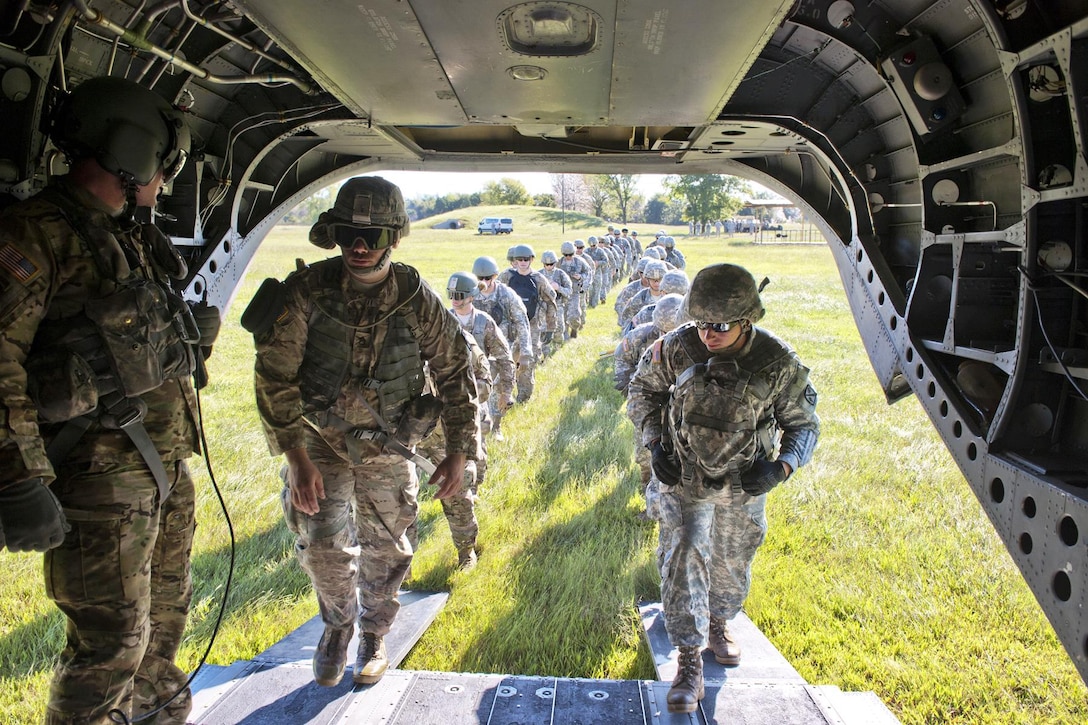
486 278
716 326
569 255
346 235
549 264
523 259
458 296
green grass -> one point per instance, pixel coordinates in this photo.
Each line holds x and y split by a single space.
880 571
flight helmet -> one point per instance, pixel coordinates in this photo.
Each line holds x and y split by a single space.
368 207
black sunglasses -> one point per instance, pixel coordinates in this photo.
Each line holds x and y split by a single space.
346 235
716 326
523 259
485 278
569 255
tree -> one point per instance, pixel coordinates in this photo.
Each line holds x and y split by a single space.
597 194
545 200
707 196
569 191
622 188
505 191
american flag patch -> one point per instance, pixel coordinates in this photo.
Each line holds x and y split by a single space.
19 266
656 354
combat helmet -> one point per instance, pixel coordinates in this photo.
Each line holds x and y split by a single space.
579 244
463 282
723 293
669 312
363 203
520 250
675 281
485 267
592 241
668 242
654 253
566 248
654 269
131 131
548 257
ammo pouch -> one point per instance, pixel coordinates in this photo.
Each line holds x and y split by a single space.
418 420
267 305
148 331
62 385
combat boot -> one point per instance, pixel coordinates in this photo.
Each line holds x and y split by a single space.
466 558
371 663
332 655
726 650
687 687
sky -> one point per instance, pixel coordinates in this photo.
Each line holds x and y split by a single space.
414 184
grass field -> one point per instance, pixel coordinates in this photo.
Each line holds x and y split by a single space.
880 570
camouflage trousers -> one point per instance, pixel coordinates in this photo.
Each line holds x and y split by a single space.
355 548
460 510
705 552
573 315
122 579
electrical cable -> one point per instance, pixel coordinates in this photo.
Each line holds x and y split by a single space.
1042 328
121 718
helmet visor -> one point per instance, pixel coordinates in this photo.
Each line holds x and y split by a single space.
348 235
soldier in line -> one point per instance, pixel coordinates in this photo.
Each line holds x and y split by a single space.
652 274
675 282
695 396
506 308
603 272
100 410
462 289
539 300
581 276
340 390
563 286
673 255
590 285
635 285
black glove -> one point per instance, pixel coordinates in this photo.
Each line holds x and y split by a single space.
762 477
546 337
665 466
207 321
31 517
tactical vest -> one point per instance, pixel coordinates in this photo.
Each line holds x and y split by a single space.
524 285
398 374
721 411
479 330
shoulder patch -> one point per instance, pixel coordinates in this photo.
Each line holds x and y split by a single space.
656 354
13 261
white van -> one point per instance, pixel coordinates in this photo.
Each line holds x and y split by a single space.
495 225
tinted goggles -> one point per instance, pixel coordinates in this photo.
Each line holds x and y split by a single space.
458 296
346 235
716 326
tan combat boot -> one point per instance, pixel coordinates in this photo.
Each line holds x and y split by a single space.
466 558
687 688
726 650
371 663
332 655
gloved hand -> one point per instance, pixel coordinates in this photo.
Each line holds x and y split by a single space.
762 477
665 465
207 321
31 517
546 337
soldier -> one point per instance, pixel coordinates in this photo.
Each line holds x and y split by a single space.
565 296
539 300
710 399
651 275
591 284
635 285
603 272
99 413
462 289
581 276
506 308
673 255
675 282
339 381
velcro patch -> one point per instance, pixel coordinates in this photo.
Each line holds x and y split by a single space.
656 354
21 268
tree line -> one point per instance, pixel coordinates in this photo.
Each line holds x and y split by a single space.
608 196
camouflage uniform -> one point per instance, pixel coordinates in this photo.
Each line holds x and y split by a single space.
721 414
602 277
357 569
581 277
508 311
500 361
640 299
588 285
676 258
565 300
543 320
624 296
122 575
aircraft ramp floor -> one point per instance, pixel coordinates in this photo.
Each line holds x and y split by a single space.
277 688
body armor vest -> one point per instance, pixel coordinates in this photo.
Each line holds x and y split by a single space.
721 410
397 376
525 287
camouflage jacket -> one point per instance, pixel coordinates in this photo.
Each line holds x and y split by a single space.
637 301
624 295
563 285
629 350
545 302
49 273
491 340
722 413
433 446
506 308
579 271
368 314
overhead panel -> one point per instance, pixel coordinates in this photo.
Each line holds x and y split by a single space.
693 55
539 65
373 56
